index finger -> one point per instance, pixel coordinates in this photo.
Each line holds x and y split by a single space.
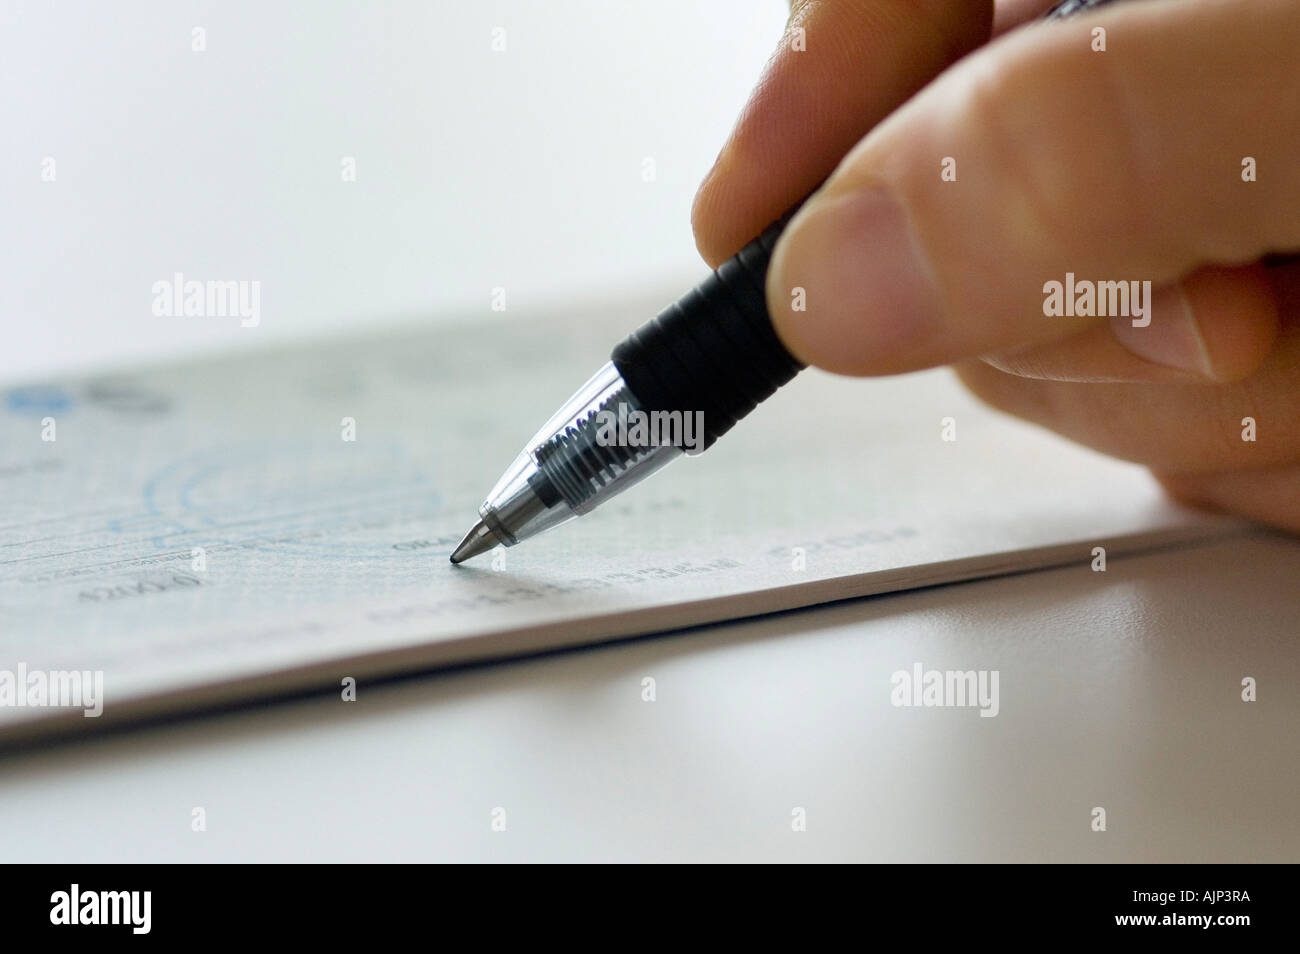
841 67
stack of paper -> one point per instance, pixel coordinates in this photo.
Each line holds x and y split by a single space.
250 526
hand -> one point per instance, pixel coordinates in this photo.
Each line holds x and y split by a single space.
1170 157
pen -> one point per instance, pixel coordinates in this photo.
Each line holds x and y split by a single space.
673 386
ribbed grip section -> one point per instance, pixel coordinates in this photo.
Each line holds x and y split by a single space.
575 465
714 349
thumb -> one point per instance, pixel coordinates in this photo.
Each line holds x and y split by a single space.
1047 153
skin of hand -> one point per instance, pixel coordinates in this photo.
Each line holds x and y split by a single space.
1170 156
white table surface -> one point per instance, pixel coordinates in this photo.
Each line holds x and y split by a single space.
1119 690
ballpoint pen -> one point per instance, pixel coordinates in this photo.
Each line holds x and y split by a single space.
711 356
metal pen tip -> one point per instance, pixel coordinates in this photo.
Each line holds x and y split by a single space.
480 539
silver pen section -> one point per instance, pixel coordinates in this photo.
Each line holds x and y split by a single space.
686 376
578 460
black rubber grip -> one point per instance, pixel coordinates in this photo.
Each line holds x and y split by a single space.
713 350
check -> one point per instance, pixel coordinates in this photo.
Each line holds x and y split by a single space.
246 526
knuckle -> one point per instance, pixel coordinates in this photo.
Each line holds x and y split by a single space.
1063 148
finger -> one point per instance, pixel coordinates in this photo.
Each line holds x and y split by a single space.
1172 428
1229 326
1068 162
821 91
1271 495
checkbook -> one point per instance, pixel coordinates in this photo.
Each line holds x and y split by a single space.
196 534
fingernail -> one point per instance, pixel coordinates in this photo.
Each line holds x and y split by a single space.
1171 337
868 294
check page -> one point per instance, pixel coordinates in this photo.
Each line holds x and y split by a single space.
251 525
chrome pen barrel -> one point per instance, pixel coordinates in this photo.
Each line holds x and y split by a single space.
585 454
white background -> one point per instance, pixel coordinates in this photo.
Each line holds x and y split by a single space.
475 169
